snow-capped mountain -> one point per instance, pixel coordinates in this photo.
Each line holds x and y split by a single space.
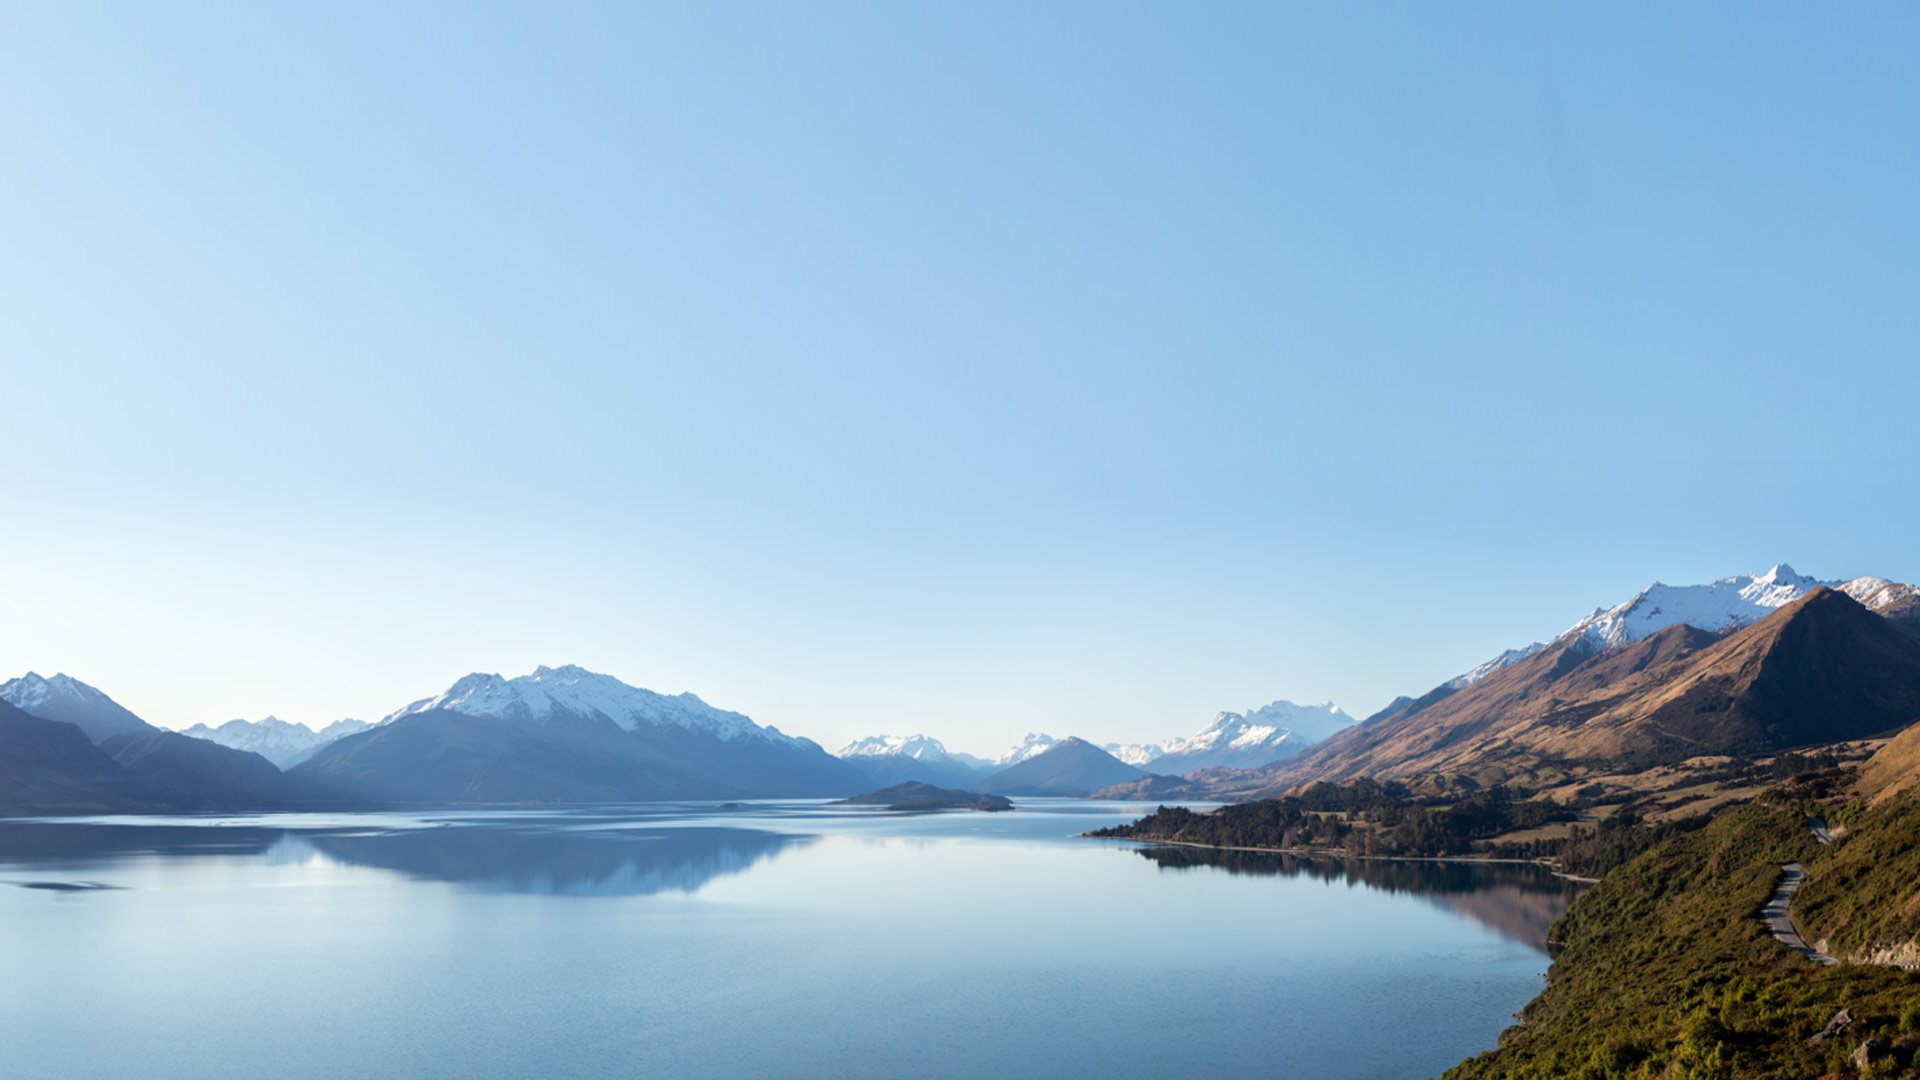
1069 766
575 690
1252 739
1882 596
1511 655
917 747
68 700
1135 754
568 734
1034 743
1716 607
280 742
896 759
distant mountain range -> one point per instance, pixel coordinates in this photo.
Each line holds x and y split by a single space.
280 742
1781 661
68 700
1233 740
1250 740
562 734
889 760
1746 665
51 767
1068 767
574 735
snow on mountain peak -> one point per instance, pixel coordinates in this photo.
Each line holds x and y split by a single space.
1034 743
1135 754
283 743
1272 723
31 691
918 747
1715 607
1879 594
535 697
1461 682
1254 738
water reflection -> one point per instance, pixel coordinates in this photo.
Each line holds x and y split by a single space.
571 863
1516 900
481 855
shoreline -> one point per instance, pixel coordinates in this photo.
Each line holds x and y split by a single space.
1342 853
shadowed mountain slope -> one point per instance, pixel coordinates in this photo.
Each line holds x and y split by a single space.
200 775
442 756
1071 767
51 767
1818 670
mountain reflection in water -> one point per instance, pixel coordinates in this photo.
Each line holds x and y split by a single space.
570 863
1519 901
488 856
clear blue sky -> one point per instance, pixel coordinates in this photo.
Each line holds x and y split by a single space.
970 368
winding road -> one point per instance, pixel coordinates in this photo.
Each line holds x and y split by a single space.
1778 914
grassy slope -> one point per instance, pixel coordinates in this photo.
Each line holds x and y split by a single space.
1668 972
1863 893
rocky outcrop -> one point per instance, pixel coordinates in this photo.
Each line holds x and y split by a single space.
1836 1027
1869 1052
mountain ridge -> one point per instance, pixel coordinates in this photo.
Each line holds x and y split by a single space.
68 700
1072 766
569 734
1679 692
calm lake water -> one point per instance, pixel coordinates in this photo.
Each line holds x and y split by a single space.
789 939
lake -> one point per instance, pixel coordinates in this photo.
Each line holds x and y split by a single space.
769 940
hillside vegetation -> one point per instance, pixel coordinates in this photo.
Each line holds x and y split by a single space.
1359 817
1666 971
1862 896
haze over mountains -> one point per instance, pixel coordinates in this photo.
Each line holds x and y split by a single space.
67 699
1233 740
1745 665
280 742
571 734
1069 767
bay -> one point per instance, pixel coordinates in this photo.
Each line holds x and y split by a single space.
767 940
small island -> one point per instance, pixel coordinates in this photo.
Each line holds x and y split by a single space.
914 795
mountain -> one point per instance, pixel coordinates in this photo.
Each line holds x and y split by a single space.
1511 656
1255 738
1897 603
894 759
448 757
51 767
916 796
1716 607
1069 767
284 744
1034 743
68 700
199 775
1820 669
1894 768
1392 707
1135 753
573 735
